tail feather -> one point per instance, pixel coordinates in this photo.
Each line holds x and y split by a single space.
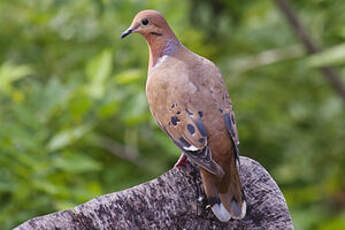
220 212
236 207
226 194
231 193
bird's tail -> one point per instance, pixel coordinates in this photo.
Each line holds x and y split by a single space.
225 196
231 193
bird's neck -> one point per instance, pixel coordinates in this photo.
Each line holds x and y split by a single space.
160 46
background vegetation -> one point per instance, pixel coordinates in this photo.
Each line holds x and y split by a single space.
74 122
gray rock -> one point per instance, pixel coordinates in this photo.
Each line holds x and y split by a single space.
173 201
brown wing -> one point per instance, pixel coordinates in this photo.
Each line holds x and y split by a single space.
185 121
220 96
186 102
188 132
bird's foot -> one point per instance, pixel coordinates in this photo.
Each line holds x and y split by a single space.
182 161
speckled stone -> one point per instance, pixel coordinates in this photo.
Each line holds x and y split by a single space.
172 201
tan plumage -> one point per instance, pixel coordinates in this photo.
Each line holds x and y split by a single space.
189 100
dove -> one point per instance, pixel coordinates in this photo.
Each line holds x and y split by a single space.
189 101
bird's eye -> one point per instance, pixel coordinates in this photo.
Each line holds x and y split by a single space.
145 21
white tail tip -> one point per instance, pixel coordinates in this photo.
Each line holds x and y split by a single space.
243 211
220 212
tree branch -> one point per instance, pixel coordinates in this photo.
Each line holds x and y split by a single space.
267 57
172 201
330 75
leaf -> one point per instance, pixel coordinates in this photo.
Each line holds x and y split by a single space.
66 137
50 187
128 77
331 56
10 73
334 223
136 109
98 70
6 187
63 205
77 163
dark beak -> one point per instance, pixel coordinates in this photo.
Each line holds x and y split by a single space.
127 32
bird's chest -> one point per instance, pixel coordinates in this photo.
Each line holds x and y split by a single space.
164 89
159 92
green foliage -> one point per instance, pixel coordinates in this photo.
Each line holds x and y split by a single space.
332 56
74 121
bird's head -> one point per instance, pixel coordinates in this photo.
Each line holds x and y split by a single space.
151 24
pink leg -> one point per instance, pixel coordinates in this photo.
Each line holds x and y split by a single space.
182 161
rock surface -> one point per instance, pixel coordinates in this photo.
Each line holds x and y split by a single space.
173 201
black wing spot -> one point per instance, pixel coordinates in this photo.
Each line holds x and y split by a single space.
201 127
191 129
200 114
184 142
173 106
174 120
189 112
178 112
228 124
232 133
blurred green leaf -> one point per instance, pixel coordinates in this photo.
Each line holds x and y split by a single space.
129 76
331 56
98 70
10 73
67 137
76 163
334 223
